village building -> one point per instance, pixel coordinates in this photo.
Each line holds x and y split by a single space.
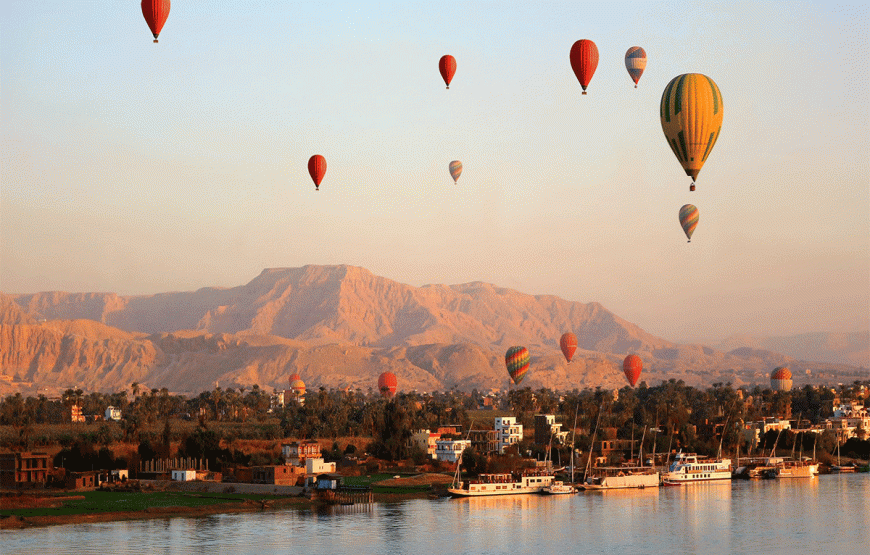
112 413
449 450
23 470
278 475
183 475
87 480
450 430
298 452
484 442
849 420
318 466
547 431
75 414
509 432
425 440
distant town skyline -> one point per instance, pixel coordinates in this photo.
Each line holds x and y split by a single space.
141 168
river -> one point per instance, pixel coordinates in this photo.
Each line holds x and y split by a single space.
829 515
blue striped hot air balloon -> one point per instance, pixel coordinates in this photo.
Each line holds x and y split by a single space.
689 219
455 170
635 63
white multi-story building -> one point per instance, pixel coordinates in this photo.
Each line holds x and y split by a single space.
509 432
450 450
113 413
849 420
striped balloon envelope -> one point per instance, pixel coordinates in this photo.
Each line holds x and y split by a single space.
689 219
635 63
456 170
691 116
780 379
517 361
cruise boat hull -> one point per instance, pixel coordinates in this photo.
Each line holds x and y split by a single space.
626 481
501 485
689 468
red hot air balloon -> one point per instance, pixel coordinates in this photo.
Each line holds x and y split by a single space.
447 67
568 344
387 384
632 366
317 169
155 12
293 378
584 61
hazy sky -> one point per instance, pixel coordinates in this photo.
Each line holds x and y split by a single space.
139 168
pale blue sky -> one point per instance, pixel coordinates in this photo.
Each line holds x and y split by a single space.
138 168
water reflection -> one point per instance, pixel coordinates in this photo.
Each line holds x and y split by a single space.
778 516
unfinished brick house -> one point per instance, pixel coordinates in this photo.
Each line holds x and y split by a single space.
23 470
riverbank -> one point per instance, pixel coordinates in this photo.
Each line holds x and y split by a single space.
165 499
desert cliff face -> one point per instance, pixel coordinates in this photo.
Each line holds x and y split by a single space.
340 326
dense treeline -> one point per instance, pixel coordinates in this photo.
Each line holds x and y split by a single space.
669 416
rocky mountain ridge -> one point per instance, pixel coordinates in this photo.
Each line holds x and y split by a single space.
340 326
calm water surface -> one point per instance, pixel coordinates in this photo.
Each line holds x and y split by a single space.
829 515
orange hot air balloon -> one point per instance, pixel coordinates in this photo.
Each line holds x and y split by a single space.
584 61
387 384
568 344
317 169
632 366
155 12
447 67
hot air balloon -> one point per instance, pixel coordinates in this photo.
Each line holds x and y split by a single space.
456 170
584 60
635 63
780 379
298 387
568 344
293 378
691 114
447 67
517 361
689 219
387 384
155 12
632 366
317 169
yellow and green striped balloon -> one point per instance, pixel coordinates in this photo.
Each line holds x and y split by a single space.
517 361
689 219
691 114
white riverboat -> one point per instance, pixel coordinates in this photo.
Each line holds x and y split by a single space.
622 477
689 468
790 468
558 488
502 484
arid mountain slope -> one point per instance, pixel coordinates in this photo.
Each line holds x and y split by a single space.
341 326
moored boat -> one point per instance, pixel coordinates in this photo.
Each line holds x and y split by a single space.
558 487
790 468
622 477
689 468
502 484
